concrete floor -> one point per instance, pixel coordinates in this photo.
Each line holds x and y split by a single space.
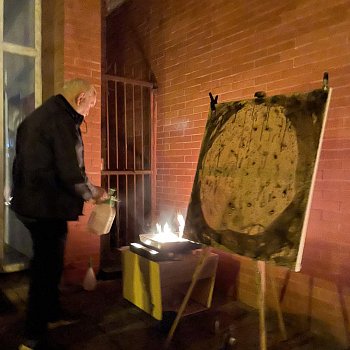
110 322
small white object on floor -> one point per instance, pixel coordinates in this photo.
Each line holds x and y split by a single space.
90 281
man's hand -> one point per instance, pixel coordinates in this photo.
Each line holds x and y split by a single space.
99 195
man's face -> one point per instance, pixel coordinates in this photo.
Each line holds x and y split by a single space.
86 101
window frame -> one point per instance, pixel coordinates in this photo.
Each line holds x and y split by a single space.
34 52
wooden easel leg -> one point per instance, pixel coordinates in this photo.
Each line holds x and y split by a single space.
261 301
204 255
344 312
281 324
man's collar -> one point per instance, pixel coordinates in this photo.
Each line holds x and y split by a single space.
77 117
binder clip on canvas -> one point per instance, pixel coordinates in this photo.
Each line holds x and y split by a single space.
103 214
213 101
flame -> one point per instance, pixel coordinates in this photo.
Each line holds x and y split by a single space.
181 221
166 235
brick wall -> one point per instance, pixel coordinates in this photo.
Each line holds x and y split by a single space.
233 49
52 47
82 59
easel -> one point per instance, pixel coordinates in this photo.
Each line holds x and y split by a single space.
261 269
261 265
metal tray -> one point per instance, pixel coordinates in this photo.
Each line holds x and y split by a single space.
150 240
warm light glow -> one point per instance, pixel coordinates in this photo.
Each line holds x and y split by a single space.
181 221
166 235
139 246
136 245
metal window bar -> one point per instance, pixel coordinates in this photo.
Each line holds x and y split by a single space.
126 167
142 151
116 122
132 188
134 148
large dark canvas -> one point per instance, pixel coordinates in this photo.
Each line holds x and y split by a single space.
255 174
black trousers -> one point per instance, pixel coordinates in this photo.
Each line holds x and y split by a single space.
49 240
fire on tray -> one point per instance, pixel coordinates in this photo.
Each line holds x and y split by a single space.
165 243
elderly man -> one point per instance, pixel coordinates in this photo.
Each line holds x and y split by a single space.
49 188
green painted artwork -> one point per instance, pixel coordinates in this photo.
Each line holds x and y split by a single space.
255 174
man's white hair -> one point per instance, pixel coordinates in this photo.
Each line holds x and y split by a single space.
75 87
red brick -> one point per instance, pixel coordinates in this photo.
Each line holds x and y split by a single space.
82 58
337 174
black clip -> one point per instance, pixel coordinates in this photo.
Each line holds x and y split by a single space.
260 94
213 101
325 86
260 97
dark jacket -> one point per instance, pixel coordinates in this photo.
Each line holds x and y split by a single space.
49 179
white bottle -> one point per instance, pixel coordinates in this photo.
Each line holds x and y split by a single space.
102 216
90 281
